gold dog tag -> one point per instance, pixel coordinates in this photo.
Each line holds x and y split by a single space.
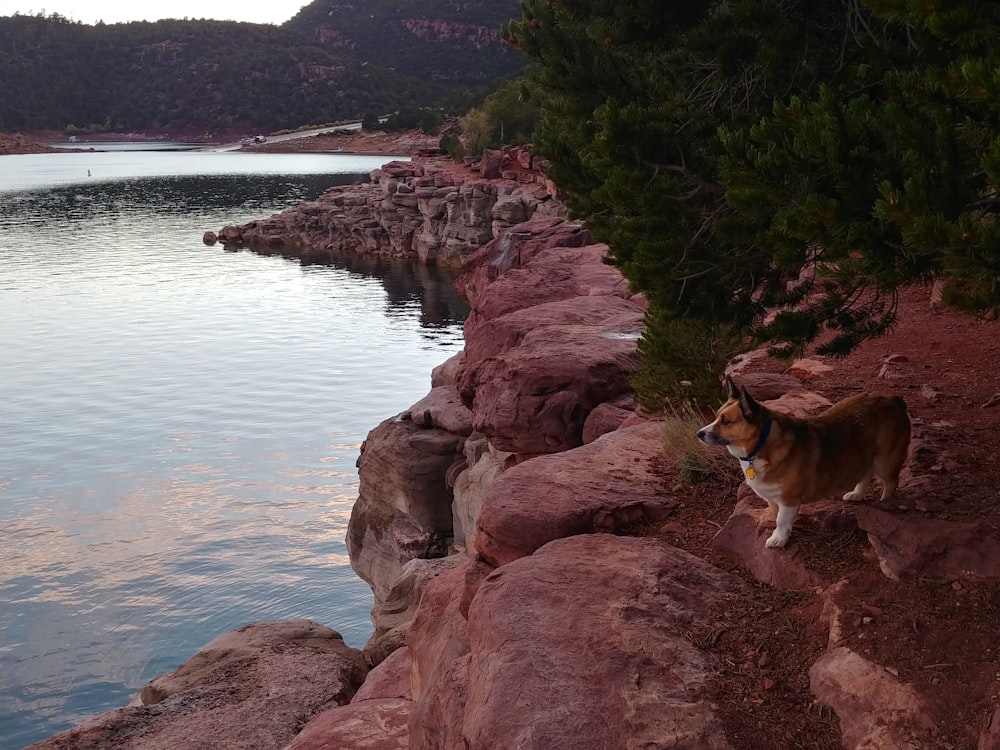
751 473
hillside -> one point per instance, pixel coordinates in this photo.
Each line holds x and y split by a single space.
220 75
456 42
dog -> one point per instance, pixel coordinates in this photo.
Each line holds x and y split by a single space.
789 461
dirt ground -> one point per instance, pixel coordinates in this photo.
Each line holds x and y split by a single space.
940 636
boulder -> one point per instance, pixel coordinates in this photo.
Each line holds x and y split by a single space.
513 248
390 679
396 608
608 417
377 724
491 337
744 533
438 642
935 547
535 397
875 708
605 486
251 689
484 464
403 510
594 610
442 409
550 275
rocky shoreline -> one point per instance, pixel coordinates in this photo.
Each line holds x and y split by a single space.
515 528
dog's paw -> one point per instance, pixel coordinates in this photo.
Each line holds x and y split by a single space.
853 496
777 539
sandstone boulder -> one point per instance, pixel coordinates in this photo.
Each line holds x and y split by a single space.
251 689
918 545
528 678
438 643
604 486
403 510
876 709
484 464
513 248
392 613
377 724
608 417
535 397
491 337
744 533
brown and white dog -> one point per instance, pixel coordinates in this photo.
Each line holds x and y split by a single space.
789 461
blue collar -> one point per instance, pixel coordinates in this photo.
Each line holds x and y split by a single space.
760 443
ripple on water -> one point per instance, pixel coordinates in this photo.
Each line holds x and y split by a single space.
180 429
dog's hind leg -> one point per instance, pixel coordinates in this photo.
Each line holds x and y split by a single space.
860 488
889 474
783 529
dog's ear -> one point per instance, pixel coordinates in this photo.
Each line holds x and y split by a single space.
731 390
749 408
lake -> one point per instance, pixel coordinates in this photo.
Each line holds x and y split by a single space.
180 424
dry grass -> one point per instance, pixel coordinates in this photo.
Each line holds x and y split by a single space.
695 461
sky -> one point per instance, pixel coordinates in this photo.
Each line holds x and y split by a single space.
122 11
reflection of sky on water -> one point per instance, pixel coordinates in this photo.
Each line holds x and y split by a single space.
180 427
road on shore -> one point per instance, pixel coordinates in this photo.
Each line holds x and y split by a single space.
285 136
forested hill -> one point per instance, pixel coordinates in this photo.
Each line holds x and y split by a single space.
220 75
448 41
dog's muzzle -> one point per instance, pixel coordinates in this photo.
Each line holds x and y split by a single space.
708 437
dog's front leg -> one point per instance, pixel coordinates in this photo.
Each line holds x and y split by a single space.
783 529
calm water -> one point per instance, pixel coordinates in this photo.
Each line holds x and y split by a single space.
179 425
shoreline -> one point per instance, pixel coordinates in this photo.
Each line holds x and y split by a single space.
410 143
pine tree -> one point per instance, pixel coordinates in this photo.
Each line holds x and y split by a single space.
877 189
633 96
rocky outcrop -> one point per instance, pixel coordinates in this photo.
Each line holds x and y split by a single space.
420 209
516 607
249 689
543 631
18 144
548 341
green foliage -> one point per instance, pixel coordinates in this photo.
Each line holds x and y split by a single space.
632 97
884 188
772 169
476 131
451 143
370 121
455 43
512 114
203 75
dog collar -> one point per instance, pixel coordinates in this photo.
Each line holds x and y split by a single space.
756 449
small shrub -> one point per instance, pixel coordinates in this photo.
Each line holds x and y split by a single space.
695 461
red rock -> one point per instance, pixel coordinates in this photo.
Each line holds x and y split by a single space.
875 708
513 248
390 679
403 508
535 398
250 689
494 336
917 545
607 417
584 645
742 538
608 484
439 653
376 724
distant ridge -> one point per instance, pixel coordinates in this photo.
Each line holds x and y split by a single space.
455 42
225 76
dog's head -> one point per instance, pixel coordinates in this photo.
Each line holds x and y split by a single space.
738 422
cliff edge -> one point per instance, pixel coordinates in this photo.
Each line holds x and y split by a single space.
545 578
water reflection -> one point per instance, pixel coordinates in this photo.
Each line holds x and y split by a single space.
180 429
408 284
